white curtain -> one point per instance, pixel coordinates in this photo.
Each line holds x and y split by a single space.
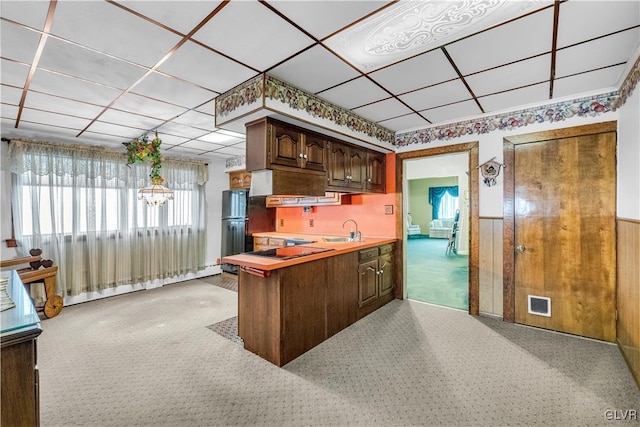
79 205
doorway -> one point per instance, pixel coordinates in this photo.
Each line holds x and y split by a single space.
437 265
560 240
471 235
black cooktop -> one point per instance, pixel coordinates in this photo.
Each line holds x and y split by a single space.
289 252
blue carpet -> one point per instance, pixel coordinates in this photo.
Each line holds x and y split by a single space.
434 277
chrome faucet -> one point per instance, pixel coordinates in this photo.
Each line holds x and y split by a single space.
356 237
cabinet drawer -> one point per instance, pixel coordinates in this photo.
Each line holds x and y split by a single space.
367 254
260 241
385 249
276 242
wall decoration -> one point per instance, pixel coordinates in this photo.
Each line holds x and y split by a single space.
629 84
141 150
243 94
490 171
590 106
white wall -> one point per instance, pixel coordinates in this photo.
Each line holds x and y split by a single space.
218 182
628 185
5 204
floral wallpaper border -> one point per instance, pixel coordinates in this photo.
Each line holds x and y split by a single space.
591 106
268 87
235 162
264 86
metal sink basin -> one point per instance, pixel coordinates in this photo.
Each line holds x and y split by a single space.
336 239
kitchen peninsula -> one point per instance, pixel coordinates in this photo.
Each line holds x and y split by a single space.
288 306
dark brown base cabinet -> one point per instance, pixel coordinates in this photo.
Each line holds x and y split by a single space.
296 308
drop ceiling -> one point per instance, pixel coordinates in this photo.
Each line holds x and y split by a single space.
105 72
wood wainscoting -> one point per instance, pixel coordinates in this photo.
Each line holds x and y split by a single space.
628 327
491 285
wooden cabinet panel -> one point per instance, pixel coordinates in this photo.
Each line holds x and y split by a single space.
347 167
338 165
375 274
376 176
357 168
239 180
367 282
342 293
314 152
286 145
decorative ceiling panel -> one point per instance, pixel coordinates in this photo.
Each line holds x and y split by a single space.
411 27
262 40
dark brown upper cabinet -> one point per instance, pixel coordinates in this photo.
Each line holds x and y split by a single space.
347 167
376 177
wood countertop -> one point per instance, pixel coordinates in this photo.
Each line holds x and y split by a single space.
268 264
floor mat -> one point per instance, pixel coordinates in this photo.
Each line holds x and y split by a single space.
224 281
228 329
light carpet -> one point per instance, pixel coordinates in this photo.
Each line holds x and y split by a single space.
148 359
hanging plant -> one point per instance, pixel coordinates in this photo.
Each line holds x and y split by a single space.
141 150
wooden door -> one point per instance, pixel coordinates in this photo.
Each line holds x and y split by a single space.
564 233
385 267
338 160
367 282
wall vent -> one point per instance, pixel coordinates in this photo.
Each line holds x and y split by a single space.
540 306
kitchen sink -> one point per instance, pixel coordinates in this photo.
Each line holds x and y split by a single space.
336 239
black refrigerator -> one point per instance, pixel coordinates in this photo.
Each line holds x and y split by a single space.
241 217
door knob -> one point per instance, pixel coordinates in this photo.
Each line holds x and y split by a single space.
521 248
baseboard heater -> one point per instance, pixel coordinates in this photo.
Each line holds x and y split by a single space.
540 306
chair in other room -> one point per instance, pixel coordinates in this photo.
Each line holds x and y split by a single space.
412 229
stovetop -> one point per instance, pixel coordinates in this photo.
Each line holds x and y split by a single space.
289 252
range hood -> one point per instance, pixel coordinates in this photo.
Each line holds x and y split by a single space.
328 199
277 182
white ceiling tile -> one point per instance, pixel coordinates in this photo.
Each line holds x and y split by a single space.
110 29
354 93
46 102
203 67
9 111
218 155
64 86
231 133
10 95
117 132
208 108
201 145
263 40
174 91
522 73
148 107
18 43
322 18
181 150
401 123
415 73
30 13
181 15
459 110
598 53
170 140
585 20
510 42
129 119
83 63
173 128
526 95
54 119
382 110
39 132
434 96
103 140
236 151
221 138
603 79
314 70
196 119
13 73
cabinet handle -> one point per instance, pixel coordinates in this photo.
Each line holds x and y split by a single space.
369 180
300 155
305 157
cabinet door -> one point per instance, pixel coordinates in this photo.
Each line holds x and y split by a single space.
376 172
367 282
385 276
286 145
357 168
314 153
338 161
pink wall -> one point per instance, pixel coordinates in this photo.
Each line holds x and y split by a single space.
368 210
